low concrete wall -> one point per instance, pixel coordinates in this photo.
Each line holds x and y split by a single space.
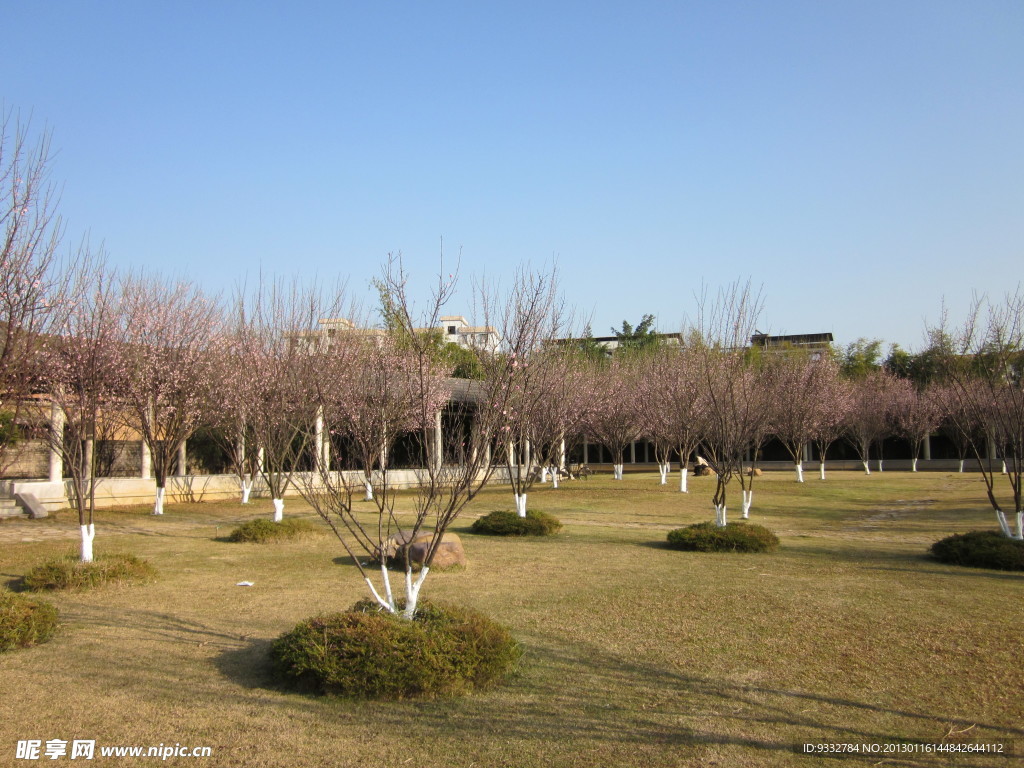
125 491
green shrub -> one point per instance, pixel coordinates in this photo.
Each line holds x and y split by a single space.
981 549
368 653
263 531
71 573
25 622
504 523
734 537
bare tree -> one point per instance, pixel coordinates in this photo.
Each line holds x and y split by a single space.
615 421
675 405
275 331
985 370
171 330
725 328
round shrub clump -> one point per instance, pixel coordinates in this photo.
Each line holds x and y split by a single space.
263 531
25 622
71 573
373 654
981 549
734 537
504 523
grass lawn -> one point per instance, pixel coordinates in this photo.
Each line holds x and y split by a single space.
636 655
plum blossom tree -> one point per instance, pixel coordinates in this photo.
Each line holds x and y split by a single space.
676 407
615 420
803 384
985 371
275 332
84 364
869 417
530 316
917 414
32 281
731 385
833 409
171 330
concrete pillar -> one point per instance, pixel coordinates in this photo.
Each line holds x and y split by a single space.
56 434
182 460
632 452
146 464
586 451
927 450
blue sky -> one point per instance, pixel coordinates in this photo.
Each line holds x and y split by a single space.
860 161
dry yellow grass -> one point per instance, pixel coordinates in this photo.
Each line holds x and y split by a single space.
636 654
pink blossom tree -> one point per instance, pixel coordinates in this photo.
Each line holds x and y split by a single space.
84 364
984 366
32 281
917 414
275 332
675 407
833 410
734 410
869 418
171 330
803 383
615 420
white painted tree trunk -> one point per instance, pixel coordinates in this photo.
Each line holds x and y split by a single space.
278 510
1004 467
961 466
158 502
663 471
521 504
369 490
880 467
799 471
554 477
867 469
1004 525
412 590
246 489
684 471
821 471
88 534
617 471
913 464
720 516
543 474
748 500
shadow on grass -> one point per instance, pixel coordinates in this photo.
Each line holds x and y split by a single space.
579 694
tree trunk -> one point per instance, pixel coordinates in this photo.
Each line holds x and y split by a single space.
720 516
799 472
521 504
158 501
88 534
913 464
246 489
663 471
554 477
748 500
821 470
412 589
684 470
867 469
278 510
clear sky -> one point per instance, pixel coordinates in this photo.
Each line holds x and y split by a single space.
860 160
